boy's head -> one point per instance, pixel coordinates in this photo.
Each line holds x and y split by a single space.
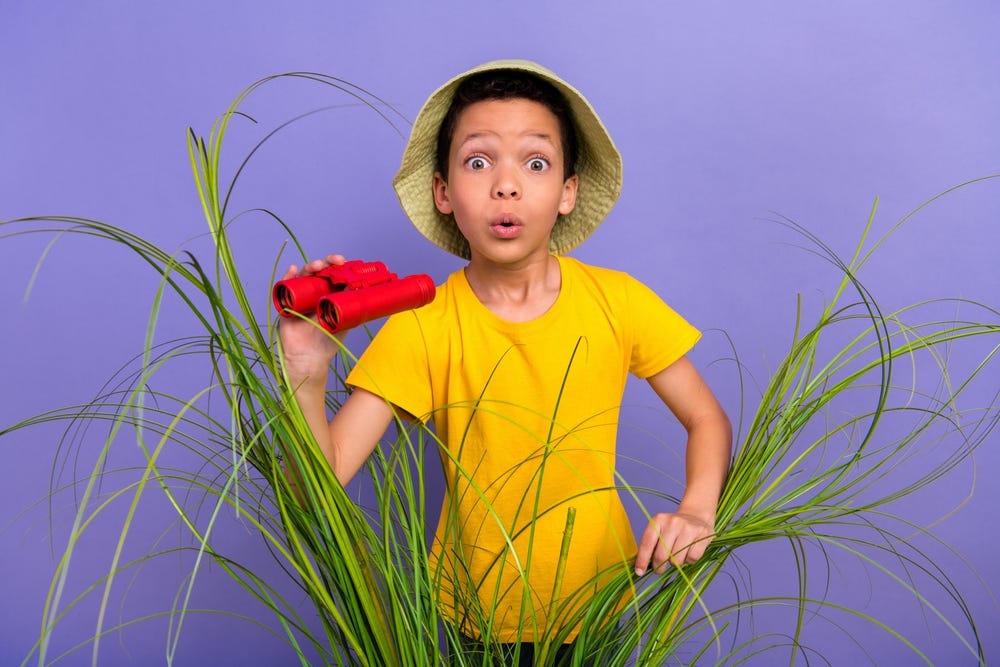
589 151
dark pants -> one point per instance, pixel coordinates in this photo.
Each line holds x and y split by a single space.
473 653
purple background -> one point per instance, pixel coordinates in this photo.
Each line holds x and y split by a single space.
724 112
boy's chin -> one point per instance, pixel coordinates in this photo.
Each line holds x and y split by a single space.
508 252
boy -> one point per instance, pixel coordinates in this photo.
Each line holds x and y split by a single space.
521 359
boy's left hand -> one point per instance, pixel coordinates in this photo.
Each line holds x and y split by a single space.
672 539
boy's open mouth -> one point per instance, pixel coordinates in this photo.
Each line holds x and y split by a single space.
506 226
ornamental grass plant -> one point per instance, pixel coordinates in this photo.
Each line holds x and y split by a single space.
805 474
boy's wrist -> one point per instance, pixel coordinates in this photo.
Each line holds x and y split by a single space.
306 379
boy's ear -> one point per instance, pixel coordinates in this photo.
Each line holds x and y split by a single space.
441 199
568 201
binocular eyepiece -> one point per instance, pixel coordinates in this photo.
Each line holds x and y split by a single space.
346 295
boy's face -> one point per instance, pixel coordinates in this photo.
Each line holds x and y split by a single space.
505 182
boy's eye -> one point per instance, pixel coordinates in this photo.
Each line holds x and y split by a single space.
477 162
538 164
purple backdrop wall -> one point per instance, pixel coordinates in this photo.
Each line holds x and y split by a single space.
723 112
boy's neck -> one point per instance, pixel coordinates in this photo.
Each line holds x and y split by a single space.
516 293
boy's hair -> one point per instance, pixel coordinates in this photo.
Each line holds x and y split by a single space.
507 84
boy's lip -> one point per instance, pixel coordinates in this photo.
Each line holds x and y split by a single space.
506 225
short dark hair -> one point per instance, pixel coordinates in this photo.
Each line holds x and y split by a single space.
507 84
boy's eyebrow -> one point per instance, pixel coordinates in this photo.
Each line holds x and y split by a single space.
544 136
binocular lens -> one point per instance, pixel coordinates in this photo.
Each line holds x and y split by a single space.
283 295
329 314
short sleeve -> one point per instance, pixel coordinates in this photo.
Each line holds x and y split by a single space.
660 336
395 366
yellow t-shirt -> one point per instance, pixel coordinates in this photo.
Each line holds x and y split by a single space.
527 415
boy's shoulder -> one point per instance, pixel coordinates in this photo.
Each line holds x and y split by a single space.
619 291
607 279
572 264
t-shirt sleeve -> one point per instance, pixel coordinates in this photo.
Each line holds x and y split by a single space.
660 335
395 366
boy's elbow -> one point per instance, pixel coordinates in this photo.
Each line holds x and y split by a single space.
726 427
713 429
716 425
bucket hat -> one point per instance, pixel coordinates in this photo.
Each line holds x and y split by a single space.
598 166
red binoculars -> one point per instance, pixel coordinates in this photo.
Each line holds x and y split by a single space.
346 295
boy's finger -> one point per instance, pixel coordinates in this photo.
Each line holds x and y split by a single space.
652 547
697 548
667 554
645 552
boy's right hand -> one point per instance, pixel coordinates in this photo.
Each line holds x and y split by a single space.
308 348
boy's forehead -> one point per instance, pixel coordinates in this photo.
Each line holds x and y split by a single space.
495 118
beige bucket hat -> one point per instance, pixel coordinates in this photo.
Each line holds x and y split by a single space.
598 166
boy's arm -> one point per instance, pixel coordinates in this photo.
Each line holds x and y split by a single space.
681 537
352 434
349 438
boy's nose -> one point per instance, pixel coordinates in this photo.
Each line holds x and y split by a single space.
506 186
